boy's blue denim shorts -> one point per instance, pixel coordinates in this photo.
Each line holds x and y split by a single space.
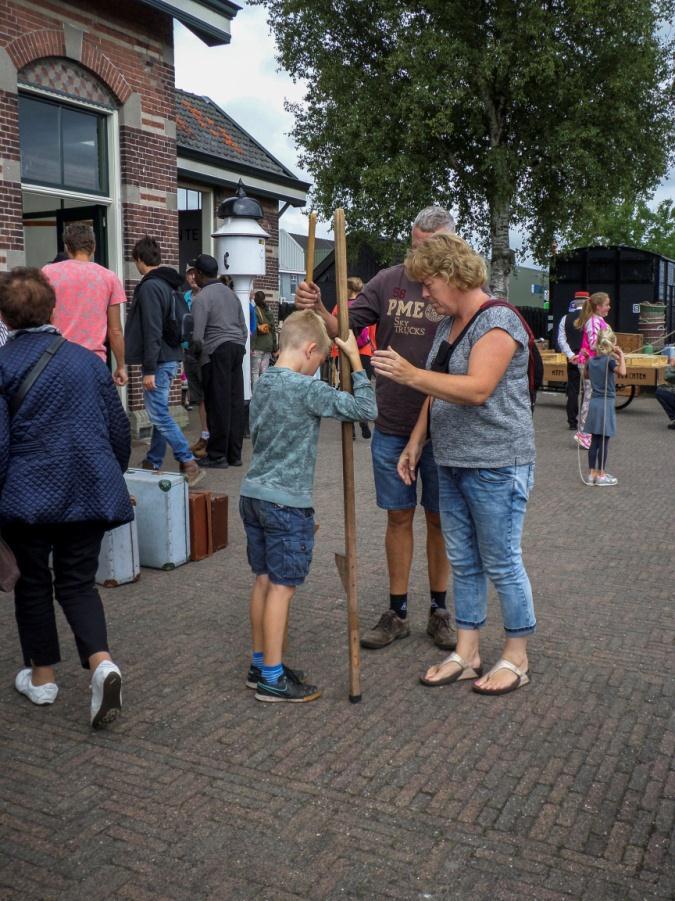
391 491
280 540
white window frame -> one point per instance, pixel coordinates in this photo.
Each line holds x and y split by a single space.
112 201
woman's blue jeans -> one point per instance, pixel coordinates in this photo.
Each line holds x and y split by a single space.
165 428
482 516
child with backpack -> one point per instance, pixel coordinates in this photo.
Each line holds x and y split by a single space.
276 495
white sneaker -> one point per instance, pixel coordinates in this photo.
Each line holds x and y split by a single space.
106 694
38 694
607 479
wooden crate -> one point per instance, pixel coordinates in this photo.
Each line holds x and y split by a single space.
629 342
555 372
649 376
647 361
552 357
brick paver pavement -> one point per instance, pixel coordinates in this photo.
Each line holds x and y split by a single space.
564 789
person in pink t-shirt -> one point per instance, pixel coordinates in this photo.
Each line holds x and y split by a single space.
88 298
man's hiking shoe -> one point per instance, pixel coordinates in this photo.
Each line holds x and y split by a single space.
255 675
441 630
285 690
199 448
389 628
192 472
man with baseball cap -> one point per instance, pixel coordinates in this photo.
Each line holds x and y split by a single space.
219 342
569 342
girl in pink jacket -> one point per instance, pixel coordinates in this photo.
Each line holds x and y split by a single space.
591 321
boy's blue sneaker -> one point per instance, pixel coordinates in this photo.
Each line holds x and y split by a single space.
255 675
285 690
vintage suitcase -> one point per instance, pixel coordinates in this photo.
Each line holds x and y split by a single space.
118 562
201 538
161 517
219 514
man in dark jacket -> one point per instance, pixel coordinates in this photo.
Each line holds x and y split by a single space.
219 337
146 345
569 341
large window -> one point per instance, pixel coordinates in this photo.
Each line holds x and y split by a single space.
62 147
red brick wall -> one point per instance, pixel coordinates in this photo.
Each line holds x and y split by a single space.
125 45
11 230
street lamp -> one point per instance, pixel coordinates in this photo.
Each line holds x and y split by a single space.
240 251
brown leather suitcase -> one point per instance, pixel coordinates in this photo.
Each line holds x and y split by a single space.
201 532
219 514
218 522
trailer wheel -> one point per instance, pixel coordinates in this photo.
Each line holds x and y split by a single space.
622 400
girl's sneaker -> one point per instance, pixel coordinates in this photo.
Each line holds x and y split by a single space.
607 479
38 694
583 440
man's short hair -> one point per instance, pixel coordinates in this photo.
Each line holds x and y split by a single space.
303 326
79 236
147 251
434 218
27 299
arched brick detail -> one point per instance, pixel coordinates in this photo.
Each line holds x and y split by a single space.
25 49
51 42
109 74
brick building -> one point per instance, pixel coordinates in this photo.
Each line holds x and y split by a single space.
88 131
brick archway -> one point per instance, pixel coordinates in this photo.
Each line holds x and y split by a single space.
51 42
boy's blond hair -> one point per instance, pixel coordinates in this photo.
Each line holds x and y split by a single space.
447 257
606 342
303 326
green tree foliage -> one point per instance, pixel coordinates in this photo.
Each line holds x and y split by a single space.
526 113
634 224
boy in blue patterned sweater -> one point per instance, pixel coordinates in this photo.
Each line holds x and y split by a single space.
276 495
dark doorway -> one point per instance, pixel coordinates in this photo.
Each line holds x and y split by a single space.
51 224
90 215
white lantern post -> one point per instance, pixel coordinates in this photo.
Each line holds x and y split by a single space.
240 252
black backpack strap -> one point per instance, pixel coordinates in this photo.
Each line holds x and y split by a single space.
446 349
33 375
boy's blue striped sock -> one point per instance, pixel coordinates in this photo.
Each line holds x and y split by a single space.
257 659
272 674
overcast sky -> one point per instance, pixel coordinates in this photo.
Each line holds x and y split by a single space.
242 77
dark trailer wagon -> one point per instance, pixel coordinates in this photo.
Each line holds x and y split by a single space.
630 277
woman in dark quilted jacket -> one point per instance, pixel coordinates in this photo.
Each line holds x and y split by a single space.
63 452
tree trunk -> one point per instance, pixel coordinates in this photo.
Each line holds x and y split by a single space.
503 257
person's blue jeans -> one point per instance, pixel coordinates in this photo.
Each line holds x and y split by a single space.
165 430
391 491
666 397
482 516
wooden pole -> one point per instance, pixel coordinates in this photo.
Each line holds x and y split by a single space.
346 563
309 270
309 256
